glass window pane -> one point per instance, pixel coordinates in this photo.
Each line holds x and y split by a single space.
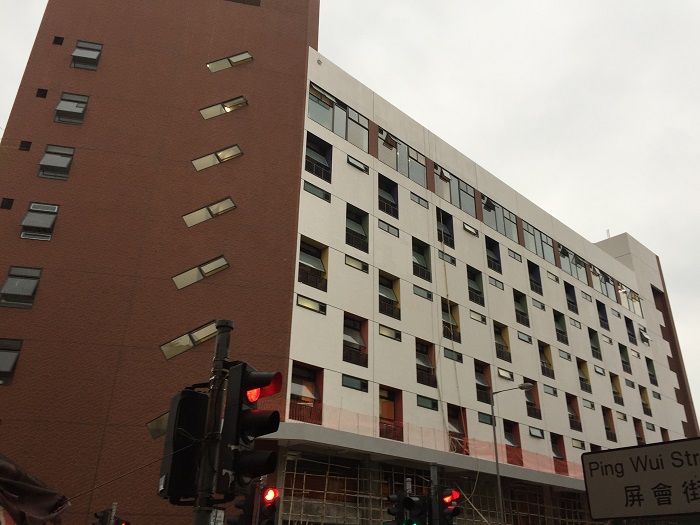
358 136
196 217
214 266
176 346
187 278
205 162
8 361
212 111
40 221
18 286
56 161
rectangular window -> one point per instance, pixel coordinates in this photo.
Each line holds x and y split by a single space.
20 287
565 355
355 383
514 255
319 157
71 109
189 340
500 219
538 243
577 443
39 221
9 354
615 312
588 404
306 302
25 145
357 264
198 273
455 356
553 277
495 282
56 162
575 323
606 339
477 316
629 383
586 296
318 192
485 418
159 426
389 332
357 164
573 265
505 374
209 212
233 60
524 337
650 426
655 394
470 229
537 432
337 117
212 159
401 157
419 200
427 402
86 55
462 195
621 416
388 228
445 230
422 292
356 221
222 108
538 304
599 370
603 283
447 258
550 390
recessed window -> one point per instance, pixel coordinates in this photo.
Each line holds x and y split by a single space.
209 212
200 272
71 109
6 203
427 402
505 374
86 55
212 159
389 332
635 353
56 162
537 432
565 355
553 277
575 323
587 297
39 221
419 200
606 339
20 287
599 370
485 418
577 443
588 404
357 164
470 229
422 292
355 383
388 228
222 108
524 337
538 304
477 316
629 383
318 192
550 390
515 255
25 145
9 354
495 282
447 258
453 355
42 93
650 426
357 264
233 60
310 304
58 40
621 416
189 340
655 394
615 312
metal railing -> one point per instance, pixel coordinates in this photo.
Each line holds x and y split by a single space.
483 395
632 338
626 367
388 307
604 323
595 352
573 307
390 429
357 241
388 207
425 377
459 443
618 399
646 409
561 336
494 264
522 318
446 239
355 356
547 370
448 332
611 435
585 385
312 278
533 411
421 271
502 352
535 286
306 411
318 169
575 423
476 296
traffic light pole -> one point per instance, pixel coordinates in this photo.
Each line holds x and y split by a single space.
209 463
434 494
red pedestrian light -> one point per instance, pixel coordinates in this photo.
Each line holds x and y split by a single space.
450 495
253 395
270 494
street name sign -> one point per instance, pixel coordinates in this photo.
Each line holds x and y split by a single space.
662 479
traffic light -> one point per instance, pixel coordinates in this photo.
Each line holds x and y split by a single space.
103 517
448 506
268 506
243 422
119 521
396 510
186 424
247 505
418 508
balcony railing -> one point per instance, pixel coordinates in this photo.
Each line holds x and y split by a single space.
595 352
318 169
561 336
575 423
312 278
451 333
626 367
390 429
535 286
573 307
476 296
421 271
445 238
522 318
388 307
388 207
459 443
533 411
585 385
547 370
425 377
604 323
494 264
653 380
356 240
355 356
306 411
632 338
502 352
646 409
618 399
611 435
483 395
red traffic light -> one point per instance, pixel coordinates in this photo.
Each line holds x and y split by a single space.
253 395
270 494
450 496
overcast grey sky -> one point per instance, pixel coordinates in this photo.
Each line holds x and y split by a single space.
590 108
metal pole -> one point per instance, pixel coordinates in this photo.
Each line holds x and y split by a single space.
434 494
209 463
501 511
113 513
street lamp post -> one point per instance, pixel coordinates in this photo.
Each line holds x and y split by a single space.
501 510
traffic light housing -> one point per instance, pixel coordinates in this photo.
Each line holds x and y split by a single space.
102 517
448 506
247 505
396 510
186 425
267 511
243 422
418 508
119 521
